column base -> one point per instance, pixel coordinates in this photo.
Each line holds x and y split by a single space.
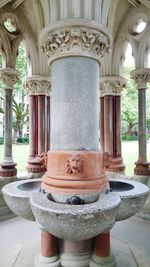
34 166
142 168
41 261
114 164
70 260
7 169
97 261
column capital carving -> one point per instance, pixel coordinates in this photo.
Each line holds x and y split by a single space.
141 77
112 85
37 85
9 77
75 38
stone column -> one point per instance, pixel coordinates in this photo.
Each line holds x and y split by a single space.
38 88
9 77
102 251
75 162
111 88
48 255
141 77
8 172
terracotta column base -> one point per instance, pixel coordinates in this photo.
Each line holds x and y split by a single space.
34 165
75 172
7 169
113 164
142 168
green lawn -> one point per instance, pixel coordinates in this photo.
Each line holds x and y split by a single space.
129 153
20 155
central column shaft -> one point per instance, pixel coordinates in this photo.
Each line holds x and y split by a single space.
75 104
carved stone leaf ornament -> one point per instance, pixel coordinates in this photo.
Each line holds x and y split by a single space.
9 77
82 40
37 87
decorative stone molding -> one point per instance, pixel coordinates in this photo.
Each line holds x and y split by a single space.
112 85
141 77
75 38
9 77
37 85
75 164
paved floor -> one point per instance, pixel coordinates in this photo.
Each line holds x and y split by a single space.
20 242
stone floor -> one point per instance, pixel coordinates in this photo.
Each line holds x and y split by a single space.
20 242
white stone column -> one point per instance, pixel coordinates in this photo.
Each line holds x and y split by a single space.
110 89
38 88
141 78
9 77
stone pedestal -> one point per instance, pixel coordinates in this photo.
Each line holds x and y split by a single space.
110 89
38 88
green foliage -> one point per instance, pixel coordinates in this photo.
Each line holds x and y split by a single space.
127 137
1 140
129 103
23 140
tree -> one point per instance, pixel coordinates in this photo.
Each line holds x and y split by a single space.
129 103
20 119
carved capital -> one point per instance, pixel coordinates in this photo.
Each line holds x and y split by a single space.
75 38
9 77
112 85
141 77
37 85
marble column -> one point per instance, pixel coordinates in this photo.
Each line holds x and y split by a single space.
110 89
38 88
141 78
74 50
9 77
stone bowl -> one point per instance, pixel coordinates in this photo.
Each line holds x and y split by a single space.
17 195
133 196
75 222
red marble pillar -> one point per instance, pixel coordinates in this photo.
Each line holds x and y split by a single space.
101 123
42 123
48 122
33 164
111 88
102 245
38 88
48 244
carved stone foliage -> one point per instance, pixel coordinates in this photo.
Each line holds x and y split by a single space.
9 77
43 160
112 85
75 41
141 77
35 86
75 164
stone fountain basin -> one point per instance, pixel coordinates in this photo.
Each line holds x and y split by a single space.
17 195
133 196
75 222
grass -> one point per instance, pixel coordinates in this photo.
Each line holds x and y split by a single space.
129 153
20 155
